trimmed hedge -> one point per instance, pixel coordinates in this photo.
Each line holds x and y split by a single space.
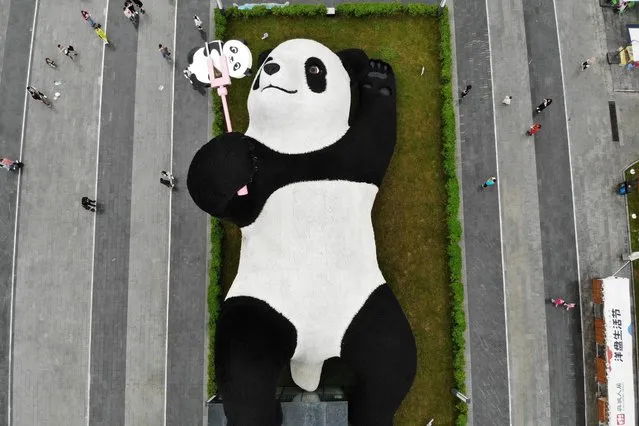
455 230
449 140
213 296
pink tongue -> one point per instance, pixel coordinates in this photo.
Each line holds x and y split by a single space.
243 191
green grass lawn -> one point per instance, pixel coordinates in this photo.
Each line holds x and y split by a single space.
633 207
409 215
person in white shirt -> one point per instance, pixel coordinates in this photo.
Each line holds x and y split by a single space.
198 22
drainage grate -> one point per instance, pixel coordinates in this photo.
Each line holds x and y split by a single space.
613 121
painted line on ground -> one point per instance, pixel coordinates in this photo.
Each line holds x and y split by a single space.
97 163
168 257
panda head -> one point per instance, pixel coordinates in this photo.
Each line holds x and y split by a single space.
239 58
237 54
300 99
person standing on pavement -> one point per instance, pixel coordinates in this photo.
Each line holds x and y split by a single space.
466 90
68 51
38 96
167 179
489 182
587 63
507 100
198 22
533 129
87 17
164 51
10 165
88 204
542 106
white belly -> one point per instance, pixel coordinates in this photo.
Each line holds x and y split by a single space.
311 255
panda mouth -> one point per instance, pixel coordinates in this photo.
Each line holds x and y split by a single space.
277 87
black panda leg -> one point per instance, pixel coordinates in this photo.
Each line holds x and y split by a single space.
380 348
253 344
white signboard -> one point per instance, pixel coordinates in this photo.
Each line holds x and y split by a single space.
621 392
633 32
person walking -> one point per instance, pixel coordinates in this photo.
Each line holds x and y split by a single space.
164 51
533 129
88 204
507 100
10 165
569 306
587 63
167 179
489 182
50 62
38 96
558 302
542 106
139 4
198 22
466 90
187 74
68 51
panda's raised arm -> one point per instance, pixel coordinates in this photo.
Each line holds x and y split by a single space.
376 100
219 169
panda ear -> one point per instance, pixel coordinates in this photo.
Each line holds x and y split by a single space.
262 57
354 60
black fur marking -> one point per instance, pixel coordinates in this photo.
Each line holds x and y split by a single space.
230 160
256 83
253 344
380 348
315 74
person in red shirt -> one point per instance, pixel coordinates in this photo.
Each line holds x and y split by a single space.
533 129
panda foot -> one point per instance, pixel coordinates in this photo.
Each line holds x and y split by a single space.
380 78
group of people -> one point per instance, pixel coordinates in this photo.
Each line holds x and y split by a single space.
96 26
166 177
561 303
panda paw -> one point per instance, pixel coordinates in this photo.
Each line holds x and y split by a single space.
379 78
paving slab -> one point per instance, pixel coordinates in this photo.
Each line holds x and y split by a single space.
94 323
55 236
15 38
521 234
482 235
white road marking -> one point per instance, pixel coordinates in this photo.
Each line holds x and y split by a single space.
95 197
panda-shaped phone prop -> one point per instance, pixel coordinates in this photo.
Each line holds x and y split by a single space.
224 61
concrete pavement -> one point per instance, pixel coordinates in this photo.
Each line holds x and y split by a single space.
109 319
562 223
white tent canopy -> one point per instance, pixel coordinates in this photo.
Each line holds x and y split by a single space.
619 357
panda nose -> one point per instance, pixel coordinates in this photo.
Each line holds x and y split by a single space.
271 68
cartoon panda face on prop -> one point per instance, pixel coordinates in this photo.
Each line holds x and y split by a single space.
300 98
237 53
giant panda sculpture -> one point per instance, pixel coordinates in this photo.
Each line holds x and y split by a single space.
308 286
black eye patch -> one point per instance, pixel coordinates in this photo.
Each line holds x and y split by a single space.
256 83
315 74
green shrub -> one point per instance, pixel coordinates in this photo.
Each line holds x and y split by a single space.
455 230
213 296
